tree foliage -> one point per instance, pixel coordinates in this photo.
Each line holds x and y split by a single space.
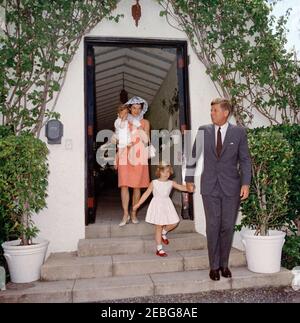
242 47
39 41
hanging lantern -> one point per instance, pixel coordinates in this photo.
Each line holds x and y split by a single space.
123 94
136 12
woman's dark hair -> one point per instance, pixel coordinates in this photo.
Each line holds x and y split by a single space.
141 104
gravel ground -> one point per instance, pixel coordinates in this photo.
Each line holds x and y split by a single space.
253 295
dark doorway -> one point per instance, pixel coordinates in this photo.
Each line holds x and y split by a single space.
139 66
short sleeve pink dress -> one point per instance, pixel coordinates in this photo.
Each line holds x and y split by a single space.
133 169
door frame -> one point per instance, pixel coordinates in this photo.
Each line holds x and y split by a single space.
184 112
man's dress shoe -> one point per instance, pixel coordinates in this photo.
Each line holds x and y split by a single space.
225 272
214 274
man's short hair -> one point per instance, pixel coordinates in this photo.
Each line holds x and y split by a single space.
224 104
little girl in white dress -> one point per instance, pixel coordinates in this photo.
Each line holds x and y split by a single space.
161 211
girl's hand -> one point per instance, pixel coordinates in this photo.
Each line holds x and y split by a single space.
135 207
190 187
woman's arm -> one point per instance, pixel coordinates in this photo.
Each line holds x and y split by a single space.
181 187
147 128
144 197
144 132
116 161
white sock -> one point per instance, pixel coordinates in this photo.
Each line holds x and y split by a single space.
159 247
164 233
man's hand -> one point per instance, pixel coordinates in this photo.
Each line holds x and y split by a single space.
190 187
244 192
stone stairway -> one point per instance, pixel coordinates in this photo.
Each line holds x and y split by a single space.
115 263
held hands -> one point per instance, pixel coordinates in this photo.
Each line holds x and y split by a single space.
244 190
190 187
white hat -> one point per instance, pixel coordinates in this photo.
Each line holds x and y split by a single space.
138 100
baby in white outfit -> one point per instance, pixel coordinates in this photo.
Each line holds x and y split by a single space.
122 134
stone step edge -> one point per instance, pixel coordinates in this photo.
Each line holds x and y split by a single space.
139 244
111 264
112 230
68 290
171 235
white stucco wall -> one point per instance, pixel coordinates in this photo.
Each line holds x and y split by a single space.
63 221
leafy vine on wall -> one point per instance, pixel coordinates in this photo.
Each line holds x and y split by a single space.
39 41
242 47
233 39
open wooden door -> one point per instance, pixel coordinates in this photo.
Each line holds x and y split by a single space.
91 173
184 121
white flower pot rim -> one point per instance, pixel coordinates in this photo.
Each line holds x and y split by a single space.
272 235
15 244
15 247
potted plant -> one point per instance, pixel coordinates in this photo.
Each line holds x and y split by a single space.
23 183
264 213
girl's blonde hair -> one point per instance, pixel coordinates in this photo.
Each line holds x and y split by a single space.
161 167
122 107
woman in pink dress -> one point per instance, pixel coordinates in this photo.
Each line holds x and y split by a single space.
132 163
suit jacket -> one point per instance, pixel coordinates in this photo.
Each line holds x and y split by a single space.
231 170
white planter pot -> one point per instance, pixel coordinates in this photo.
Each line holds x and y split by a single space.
24 262
263 253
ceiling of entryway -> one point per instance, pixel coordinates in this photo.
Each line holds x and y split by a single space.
141 70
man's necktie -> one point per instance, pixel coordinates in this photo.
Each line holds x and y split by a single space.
219 143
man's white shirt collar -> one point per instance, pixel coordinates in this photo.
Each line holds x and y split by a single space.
223 131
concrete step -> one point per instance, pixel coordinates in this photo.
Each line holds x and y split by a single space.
138 244
111 229
38 292
113 288
198 281
65 266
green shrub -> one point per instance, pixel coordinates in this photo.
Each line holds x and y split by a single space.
5 131
7 229
291 252
292 134
271 157
23 184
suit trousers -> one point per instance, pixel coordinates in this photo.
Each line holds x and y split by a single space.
221 213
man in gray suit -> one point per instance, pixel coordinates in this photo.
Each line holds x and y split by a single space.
225 181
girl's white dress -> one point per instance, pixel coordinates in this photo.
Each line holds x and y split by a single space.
161 209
